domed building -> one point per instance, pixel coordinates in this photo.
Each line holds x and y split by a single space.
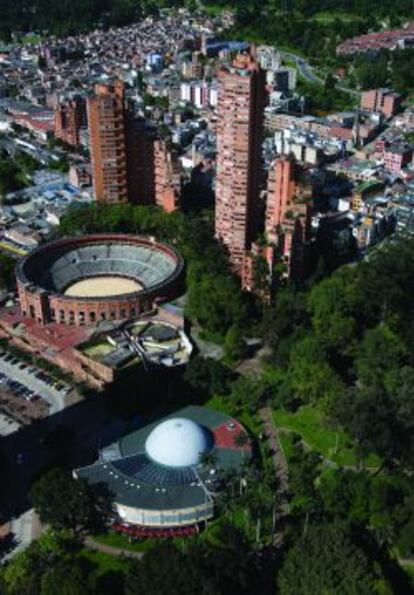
166 476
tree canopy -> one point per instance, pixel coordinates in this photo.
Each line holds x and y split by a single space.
325 560
67 503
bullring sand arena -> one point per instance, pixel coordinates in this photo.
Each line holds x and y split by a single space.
103 287
92 279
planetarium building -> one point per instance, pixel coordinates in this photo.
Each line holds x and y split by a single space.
165 476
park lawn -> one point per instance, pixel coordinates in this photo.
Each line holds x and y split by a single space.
11 248
286 444
325 17
214 10
121 541
98 350
409 569
105 562
31 38
310 424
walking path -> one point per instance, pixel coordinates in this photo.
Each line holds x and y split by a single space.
24 529
111 550
278 456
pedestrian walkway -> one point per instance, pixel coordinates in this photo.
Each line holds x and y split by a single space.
21 529
111 550
280 465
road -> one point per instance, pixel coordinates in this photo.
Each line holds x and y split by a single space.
308 73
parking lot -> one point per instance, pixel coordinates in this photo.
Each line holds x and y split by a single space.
31 383
7 425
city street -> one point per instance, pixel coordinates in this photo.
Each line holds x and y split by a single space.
308 73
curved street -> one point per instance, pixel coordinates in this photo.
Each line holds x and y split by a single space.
308 73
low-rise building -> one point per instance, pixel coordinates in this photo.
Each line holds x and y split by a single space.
384 101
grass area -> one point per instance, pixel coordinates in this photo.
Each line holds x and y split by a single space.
409 570
210 337
118 540
309 422
105 562
290 49
325 17
289 62
214 10
12 248
31 38
98 350
286 444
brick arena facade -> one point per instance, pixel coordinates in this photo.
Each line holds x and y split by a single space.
46 273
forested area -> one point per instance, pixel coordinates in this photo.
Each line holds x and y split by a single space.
294 27
342 345
387 68
72 16
382 8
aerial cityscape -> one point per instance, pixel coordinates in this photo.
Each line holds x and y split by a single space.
206 297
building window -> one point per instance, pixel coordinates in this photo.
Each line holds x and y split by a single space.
92 316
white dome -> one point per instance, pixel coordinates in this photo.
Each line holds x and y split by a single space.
177 442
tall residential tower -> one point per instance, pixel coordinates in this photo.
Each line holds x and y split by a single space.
239 145
121 148
106 117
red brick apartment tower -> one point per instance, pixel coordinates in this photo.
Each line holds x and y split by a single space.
281 188
167 177
107 139
239 138
288 215
139 150
70 118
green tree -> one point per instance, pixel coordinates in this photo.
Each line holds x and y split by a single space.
162 569
7 266
234 344
381 420
250 392
334 304
23 573
68 503
67 579
380 352
209 376
310 378
325 560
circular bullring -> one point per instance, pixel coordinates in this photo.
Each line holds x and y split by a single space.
82 281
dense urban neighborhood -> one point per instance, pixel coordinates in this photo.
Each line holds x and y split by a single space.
206 314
